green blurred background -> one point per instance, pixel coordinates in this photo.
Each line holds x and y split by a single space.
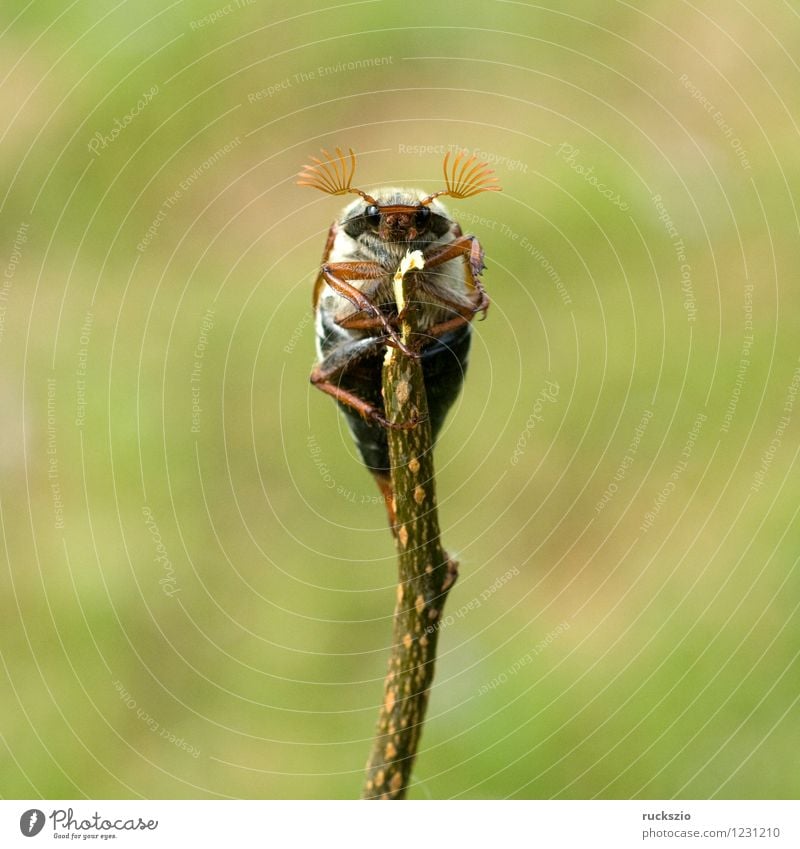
197 580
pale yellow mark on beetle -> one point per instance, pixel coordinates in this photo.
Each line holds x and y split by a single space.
413 465
419 603
412 259
402 535
419 494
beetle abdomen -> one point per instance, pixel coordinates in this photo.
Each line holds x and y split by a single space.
444 363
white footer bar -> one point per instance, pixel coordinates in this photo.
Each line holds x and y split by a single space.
463 824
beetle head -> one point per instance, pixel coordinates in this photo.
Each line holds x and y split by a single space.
397 216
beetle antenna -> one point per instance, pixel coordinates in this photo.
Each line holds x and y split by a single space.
465 178
332 175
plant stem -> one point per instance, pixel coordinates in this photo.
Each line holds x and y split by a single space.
426 575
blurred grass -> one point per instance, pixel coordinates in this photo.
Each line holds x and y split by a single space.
678 673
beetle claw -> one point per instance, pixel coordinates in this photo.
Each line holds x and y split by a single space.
394 341
409 425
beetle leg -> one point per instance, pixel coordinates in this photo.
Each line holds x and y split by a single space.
445 326
319 283
384 482
337 275
464 314
470 248
337 362
358 321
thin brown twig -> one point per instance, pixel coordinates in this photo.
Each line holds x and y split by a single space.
426 575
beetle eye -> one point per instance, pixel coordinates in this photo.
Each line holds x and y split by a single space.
422 216
372 215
